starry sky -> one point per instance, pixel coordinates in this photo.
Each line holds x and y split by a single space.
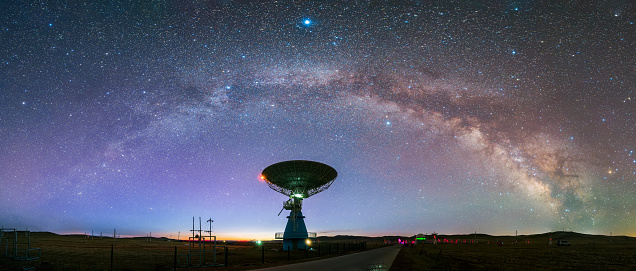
455 117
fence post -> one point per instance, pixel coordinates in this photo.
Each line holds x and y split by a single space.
111 257
306 249
263 254
226 262
288 251
440 252
318 250
175 258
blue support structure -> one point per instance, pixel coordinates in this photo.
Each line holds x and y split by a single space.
295 236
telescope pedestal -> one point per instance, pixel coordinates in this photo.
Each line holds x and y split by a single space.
295 236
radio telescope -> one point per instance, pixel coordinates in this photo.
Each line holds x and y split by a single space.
297 179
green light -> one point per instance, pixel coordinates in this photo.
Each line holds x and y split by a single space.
300 196
420 238
258 242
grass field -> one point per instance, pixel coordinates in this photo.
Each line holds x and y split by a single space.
587 252
72 252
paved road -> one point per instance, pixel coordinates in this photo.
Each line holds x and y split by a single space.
373 260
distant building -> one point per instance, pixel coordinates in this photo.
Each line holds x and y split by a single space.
420 238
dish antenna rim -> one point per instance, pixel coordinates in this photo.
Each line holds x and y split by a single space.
299 178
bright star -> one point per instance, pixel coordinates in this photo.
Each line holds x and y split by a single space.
307 22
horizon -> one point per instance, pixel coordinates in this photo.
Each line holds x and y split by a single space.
235 239
451 117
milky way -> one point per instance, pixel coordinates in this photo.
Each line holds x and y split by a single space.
454 118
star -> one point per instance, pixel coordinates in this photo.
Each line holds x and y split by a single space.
197 99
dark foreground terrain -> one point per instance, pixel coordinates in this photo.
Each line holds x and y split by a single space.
76 252
586 252
458 252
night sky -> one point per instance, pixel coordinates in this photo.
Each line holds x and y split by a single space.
452 117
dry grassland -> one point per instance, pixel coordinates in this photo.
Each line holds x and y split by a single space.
60 252
586 252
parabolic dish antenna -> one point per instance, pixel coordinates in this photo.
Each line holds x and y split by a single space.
297 179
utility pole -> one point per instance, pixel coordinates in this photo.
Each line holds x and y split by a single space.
210 232
213 246
200 237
